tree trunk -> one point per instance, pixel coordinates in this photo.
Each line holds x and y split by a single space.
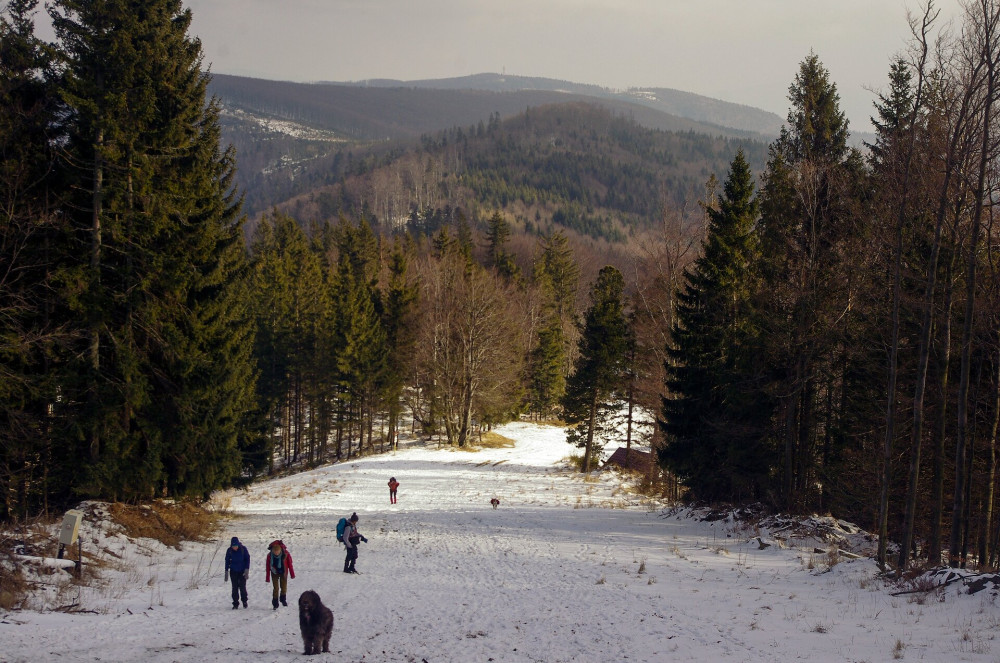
588 450
927 306
935 541
986 524
989 47
628 425
341 423
95 268
890 413
789 460
465 416
891 404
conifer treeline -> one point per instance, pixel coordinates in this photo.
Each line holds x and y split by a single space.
353 326
837 342
126 340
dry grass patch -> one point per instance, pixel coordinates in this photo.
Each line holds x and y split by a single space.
550 421
492 440
574 462
655 491
170 523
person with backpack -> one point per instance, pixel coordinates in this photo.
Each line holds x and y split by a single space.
237 570
393 485
351 538
278 569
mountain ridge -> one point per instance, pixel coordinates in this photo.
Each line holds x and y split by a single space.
688 105
387 112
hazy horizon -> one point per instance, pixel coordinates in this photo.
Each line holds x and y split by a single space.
746 53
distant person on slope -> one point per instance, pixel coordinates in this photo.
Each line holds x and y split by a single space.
279 568
393 485
237 570
352 537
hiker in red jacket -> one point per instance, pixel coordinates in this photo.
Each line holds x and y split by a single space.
278 569
393 485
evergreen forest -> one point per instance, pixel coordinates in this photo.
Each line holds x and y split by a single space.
574 165
815 327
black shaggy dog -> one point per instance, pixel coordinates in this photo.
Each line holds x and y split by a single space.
316 622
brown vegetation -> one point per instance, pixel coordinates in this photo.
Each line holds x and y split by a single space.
170 523
491 440
13 585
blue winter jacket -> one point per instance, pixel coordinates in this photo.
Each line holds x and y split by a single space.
237 560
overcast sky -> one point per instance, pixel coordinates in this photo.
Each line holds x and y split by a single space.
746 51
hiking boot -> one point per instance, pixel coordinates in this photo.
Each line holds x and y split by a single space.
274 604
236 605
244 604
283 602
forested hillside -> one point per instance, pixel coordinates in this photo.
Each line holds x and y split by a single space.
292 138
575 166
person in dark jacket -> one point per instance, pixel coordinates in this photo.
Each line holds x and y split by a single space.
352 537
237 570
278 569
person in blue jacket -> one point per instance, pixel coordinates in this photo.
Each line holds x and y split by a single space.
237 570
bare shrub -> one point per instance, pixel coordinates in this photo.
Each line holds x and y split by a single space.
13 586
23 537
918 588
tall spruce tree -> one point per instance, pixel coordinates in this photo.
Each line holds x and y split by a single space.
555 276
809 229
158 410
497 257
547 379
599 373
399 322
557 273
360 340
716 415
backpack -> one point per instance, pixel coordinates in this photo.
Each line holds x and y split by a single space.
341 524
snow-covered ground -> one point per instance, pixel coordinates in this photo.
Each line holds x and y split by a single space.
567 569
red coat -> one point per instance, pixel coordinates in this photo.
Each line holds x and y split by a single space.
288 561
393 485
